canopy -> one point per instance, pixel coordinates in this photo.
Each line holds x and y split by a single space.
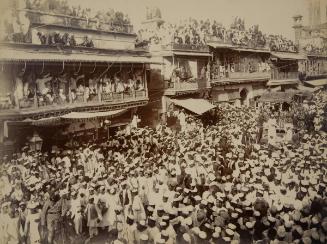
31 55
283 82
91 115
198 106
320 82
287 55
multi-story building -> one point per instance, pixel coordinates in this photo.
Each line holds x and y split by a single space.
178 76
67 76
312 42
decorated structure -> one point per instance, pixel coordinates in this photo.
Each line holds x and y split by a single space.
64 75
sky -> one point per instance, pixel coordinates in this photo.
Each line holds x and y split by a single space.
273 16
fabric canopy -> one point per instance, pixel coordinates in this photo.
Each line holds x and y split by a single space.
286 55
282 82
198 106
320 82
28 55
90 115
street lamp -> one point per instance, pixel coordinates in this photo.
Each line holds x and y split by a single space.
36 142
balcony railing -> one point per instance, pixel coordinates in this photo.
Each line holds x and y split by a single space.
242 76
228 42
181 86
39 17
186 47
42 102
278 75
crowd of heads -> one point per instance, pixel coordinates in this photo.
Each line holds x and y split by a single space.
195 33
17 23
280 43
65 40
199 184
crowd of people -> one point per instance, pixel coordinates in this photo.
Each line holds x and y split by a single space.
65 40
15 24
197 33
280 43
195 184
49 89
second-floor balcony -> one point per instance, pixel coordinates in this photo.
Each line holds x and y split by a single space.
182 87
241 77
79 101
287 75
227 42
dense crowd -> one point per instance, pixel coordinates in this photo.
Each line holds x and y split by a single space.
64 40
196 33
280 43
196 184
64 8
15 24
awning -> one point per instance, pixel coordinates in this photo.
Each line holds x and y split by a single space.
28 55
283 82
320 82
286 55
198 106
92 115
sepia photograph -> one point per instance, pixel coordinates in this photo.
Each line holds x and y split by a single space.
163 121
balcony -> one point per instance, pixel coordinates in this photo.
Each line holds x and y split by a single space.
45 18
293 75
186 47
238 77
41 104
174 88
227 42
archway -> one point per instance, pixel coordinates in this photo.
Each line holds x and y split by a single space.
243 94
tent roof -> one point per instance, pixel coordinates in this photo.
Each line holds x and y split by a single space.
198 106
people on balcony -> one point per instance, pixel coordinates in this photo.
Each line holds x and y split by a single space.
219 69
30 88
319 48
281 44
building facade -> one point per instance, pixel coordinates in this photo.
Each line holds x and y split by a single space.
67 77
